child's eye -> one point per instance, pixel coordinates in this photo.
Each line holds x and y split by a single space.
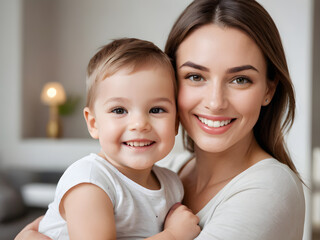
119 110
241 80
157 110
195 78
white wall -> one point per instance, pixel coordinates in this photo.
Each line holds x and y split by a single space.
294 20
148 19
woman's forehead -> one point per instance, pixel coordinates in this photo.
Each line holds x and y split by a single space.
212 44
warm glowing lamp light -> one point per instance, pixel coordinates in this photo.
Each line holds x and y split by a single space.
53 94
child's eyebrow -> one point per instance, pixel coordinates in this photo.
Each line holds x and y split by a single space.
115 99
162 99
121 99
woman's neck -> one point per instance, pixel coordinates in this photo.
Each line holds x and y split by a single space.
214 168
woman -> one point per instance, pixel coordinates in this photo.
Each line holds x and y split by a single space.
236 101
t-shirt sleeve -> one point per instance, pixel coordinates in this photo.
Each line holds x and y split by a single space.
266 205
86 171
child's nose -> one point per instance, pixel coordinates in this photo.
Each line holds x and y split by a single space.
139 122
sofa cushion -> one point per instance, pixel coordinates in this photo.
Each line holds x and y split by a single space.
11 203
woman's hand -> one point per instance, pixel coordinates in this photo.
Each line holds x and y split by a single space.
182 223
30 232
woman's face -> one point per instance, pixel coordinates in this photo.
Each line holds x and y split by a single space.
222 86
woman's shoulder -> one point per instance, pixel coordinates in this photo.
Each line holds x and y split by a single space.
274 178
271 171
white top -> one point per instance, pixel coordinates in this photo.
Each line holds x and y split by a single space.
139 212
264 202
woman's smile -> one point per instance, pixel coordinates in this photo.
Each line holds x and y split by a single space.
214 123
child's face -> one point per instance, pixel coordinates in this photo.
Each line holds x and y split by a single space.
134 117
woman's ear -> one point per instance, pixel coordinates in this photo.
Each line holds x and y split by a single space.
271 89
91 122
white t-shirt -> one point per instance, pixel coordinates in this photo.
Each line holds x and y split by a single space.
139 212
264 202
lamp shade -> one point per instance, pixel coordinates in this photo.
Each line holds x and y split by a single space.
53 94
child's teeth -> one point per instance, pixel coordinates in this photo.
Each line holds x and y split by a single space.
138 144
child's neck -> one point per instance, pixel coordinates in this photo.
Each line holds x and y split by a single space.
144 177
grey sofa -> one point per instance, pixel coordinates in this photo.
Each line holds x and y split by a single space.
14 213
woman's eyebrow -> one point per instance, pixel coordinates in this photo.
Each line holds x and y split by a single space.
230 70
241 68
194 65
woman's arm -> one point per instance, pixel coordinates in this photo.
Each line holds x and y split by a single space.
31 232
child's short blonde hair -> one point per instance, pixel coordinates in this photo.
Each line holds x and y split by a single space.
120 53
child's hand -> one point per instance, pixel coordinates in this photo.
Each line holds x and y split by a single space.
182 223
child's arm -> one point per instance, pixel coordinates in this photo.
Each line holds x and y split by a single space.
180 224
88 211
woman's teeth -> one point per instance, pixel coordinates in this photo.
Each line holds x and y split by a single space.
138 144
214 124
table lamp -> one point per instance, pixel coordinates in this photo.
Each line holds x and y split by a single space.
53 94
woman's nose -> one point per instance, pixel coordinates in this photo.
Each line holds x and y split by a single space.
216 97
139 122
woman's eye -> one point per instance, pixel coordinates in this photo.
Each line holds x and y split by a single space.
157 110
195 78
119 111
241 80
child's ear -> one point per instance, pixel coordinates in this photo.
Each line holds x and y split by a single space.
91 122
271 89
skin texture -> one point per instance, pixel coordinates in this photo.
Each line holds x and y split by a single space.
220 80
31 231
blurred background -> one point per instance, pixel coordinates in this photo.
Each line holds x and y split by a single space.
45 41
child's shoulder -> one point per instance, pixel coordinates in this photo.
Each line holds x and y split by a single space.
89 169
81 166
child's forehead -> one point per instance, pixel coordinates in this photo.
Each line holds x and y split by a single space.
141 66
132 70
155 72
142 86
147 75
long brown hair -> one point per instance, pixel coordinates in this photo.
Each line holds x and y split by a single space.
250 17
